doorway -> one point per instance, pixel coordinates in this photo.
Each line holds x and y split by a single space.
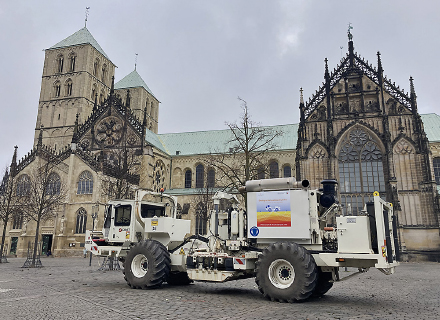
47 244
14 241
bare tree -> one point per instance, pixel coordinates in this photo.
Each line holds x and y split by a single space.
121 169
9 204
43 195
202 203
246 158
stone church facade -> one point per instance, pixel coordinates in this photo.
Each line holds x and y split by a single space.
359 128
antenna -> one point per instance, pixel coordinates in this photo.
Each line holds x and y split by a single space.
135 61
87 14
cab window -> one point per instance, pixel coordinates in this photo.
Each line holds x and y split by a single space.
149 211
108 217
122 215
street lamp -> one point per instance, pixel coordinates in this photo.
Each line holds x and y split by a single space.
95 209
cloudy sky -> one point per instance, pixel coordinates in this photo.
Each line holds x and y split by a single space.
198 56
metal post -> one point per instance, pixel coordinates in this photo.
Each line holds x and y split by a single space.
94 216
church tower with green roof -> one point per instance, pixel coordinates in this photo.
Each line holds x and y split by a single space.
76 72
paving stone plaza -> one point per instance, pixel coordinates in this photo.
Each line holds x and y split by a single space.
67 288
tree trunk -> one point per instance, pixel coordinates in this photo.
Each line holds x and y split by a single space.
3 239
34 255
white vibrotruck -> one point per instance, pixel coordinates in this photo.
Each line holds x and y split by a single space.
292 239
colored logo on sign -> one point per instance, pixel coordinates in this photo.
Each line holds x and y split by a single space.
254 231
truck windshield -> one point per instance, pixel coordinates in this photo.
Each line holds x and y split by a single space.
149 211
122 215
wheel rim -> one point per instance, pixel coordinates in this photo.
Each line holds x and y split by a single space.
281 273
139 266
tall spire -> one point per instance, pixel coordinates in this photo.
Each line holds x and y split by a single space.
413 95
14 162
350 45
87 14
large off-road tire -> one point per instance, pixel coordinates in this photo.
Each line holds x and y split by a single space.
286 272
323 284
147 265
179 279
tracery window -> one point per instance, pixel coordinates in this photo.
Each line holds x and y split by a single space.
85 183
200 172
17 222
81 221
54 184
436 162
23 185
188 178
211 178
360 170
273 169
287 171
201 218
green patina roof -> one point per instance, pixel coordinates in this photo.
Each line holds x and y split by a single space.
204 142
132 80
82 36
431 123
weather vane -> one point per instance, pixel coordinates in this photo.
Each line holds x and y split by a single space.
135 61
350 36
87 14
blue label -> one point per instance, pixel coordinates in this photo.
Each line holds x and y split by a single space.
254 231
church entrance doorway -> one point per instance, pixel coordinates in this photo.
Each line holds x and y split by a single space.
14 241
47 243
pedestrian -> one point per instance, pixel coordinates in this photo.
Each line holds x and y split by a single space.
85 252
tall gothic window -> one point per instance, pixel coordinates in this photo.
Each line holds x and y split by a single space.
201 218
72 59
95 68
85 183
60 62
81 221
23 185
360 170
188 178
17 221
287 171
200 172
436 162
57 89
211 178
69 87
273 170
54 184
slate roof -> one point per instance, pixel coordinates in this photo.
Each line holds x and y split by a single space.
132 80
82 36
204 142
431 123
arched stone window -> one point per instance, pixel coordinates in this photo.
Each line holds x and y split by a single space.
260 173
360 170
93 92
17 221
72 60
96 68
273 170
60 62
200 175
201 218
85 183
53 184
159 176
211 178
104 73
81 221
287 171
57 89
188 179
68 86
23 185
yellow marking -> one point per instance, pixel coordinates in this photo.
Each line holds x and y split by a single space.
182 251
154 222
376 194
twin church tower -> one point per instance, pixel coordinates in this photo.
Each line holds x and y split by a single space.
77 73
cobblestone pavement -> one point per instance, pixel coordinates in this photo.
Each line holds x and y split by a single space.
67 288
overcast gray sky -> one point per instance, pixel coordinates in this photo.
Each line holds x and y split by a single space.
198 56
